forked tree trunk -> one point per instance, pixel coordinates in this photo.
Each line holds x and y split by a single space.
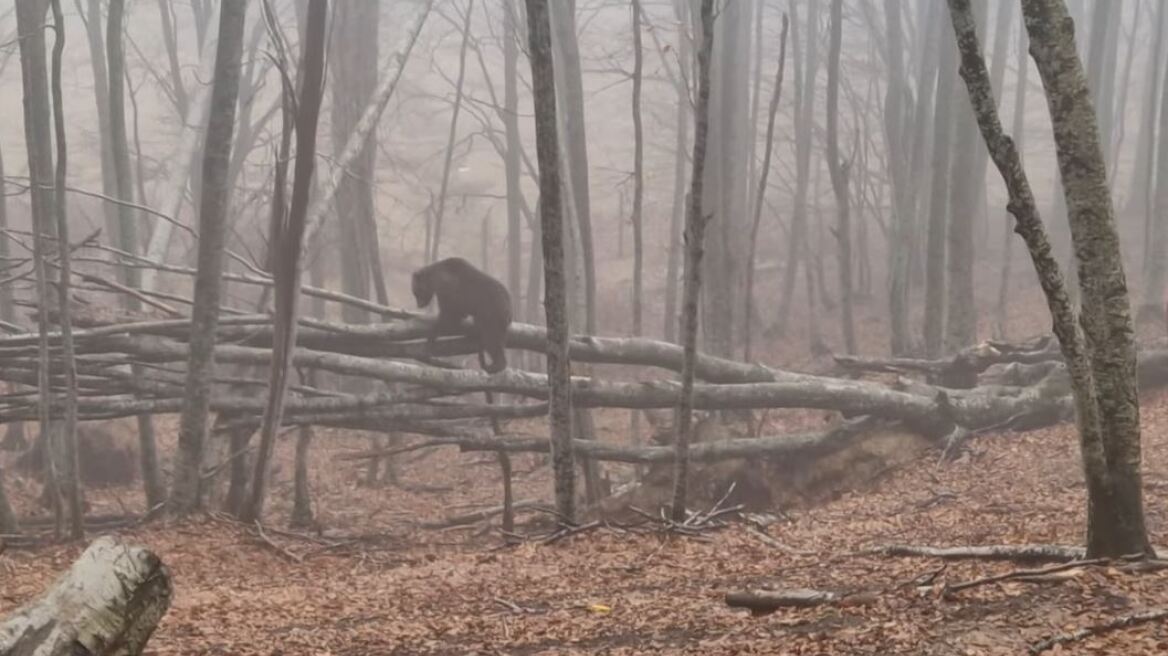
543 87
695 226
186 493
452 138
109 602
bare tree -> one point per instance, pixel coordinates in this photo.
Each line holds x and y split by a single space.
638 174
838 171
127 225
514 150
448 159
901 225
760 191
1019 132
287 240
938 213
30 22
677 213
1101 358
186 492
559 367
1139 195
695 226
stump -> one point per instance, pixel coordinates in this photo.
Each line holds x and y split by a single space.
109 602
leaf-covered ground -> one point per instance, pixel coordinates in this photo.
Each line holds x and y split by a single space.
378 583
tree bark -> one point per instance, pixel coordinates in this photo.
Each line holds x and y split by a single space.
1019 132
677 213
110 601
555 302
288 241
448 159
638 175
943 131
695 226
186 493
765 169
838 172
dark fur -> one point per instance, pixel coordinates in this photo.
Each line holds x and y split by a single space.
464 291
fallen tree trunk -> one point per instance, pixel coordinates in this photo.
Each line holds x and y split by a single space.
762 602
109 602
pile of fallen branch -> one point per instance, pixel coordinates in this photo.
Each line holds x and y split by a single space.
135 365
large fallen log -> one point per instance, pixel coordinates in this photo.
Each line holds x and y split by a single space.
109 602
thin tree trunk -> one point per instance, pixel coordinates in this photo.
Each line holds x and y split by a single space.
91 14
128 241
288 241
839 178
1019 135
934 329
14 433
804 132
1139 197
1152 303
695 225
64 295
514 150
677 213
186 493
760 192
638 176
30 22
555 301
964 206
448 159
901 229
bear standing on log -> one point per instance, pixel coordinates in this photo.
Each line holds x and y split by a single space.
464 291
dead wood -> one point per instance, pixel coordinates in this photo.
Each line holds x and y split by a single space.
1032 575
478 516
1135 619
764 602
1010 552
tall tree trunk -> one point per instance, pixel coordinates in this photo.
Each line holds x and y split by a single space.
14 432
1115 519
128 241
563 23
1139 197
934 330
555 302
436 237
64 295
901 228
30 26
964 206
514 152
91 14
760 191
839 177
677 213
355 44
804 131
638 176
186 493
288 241
1019 132
695 226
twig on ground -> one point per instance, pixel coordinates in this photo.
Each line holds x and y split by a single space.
1119 623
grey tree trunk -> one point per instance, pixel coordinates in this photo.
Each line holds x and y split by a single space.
555 301
938 213
30 22
127 223
186 493
1101 64
804 133
965 192
677 213
1139 196
838 171
91 13
563 25
760 190
695 226
64 291
287 240
1115 517
514 151
1152 303
638 176
448 159
1019 132
923 118
901 224
353 80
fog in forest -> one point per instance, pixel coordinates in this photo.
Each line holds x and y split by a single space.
465 316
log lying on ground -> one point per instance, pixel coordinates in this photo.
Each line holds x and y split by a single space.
1008 552
961 369
762 602
109 602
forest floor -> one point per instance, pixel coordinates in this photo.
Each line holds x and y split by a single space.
395 587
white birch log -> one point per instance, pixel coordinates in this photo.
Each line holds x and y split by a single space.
109 602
